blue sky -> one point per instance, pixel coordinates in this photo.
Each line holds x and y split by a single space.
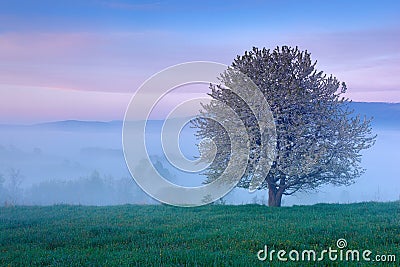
185 16
84 59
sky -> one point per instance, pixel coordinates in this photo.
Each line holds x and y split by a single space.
84 60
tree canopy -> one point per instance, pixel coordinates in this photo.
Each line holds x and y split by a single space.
318 136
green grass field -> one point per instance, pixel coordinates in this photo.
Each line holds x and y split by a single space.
213 235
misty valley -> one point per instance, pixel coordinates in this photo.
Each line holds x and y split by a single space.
77 162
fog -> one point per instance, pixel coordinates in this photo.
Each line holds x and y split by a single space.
74 162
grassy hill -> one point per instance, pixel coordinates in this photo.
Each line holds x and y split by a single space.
213 235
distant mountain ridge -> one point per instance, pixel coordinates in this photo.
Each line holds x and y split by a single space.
385 115
68 124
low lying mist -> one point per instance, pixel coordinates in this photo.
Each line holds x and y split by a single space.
76 162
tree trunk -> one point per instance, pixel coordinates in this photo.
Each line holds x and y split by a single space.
274 196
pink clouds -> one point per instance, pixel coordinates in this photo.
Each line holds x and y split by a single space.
367 60
20 104
38 70
111 62
36 104
43 46
81 61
